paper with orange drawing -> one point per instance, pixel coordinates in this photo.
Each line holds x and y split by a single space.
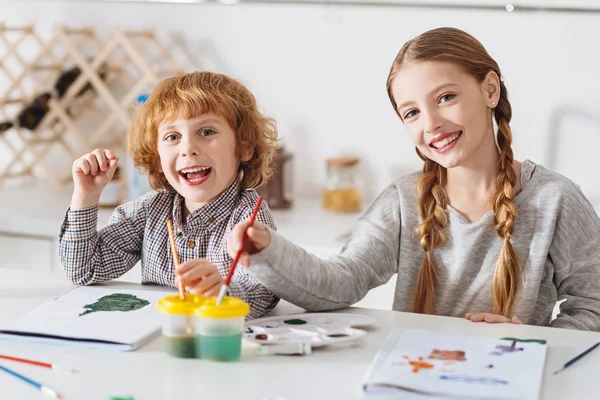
446 365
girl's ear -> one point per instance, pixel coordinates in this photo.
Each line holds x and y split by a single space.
491 89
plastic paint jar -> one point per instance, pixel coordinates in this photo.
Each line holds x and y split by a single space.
219 329
178 323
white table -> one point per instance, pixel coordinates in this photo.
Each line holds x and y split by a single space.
328 373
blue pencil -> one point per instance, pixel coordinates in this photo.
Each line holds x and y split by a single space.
44 389
577 358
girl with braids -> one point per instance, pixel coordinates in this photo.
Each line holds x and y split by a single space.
476 234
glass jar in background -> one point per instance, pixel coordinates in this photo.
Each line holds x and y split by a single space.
341 193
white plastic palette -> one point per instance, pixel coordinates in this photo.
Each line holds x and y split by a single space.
317 328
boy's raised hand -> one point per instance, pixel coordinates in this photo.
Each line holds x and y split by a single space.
200 276
258 239
91 174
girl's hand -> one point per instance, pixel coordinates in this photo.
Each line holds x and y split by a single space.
492 318
258 239
200 276
91 173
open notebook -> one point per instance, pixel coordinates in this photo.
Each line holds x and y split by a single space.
91 316
437 365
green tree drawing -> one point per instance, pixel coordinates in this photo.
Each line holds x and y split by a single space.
116 302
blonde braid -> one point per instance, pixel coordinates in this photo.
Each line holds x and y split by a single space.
508 270
432 208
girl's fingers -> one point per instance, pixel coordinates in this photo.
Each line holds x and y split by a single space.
235 238
491 318
245 260
495 319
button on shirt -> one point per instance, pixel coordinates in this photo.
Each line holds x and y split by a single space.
137 231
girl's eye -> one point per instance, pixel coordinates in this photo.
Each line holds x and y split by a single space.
171 137
207 132
447 97
410 114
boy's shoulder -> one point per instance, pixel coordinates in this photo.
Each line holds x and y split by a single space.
151 200
245 205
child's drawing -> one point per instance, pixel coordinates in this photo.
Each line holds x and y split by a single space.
501 349
474 379
115 302
456 355
416 365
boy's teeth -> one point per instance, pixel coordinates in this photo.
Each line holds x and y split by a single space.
198 169
445 142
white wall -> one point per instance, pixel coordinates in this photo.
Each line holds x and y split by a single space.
321 71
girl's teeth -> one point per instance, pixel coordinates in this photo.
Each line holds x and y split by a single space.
445 142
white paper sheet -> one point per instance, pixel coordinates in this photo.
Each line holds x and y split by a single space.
463 367
61 318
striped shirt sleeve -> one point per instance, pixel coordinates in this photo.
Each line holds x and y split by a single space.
88 255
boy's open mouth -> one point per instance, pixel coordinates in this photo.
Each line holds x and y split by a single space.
195 175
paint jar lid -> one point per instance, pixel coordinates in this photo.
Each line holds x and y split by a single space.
172 304
231 307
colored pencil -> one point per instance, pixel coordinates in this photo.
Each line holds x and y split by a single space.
32 362
576 358
45 389
225 286
175 256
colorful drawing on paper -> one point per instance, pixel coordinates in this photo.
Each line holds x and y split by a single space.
115 302
502 349
540 341
454 355
485 380
417 365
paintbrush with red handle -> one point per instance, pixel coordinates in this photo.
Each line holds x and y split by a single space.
225 285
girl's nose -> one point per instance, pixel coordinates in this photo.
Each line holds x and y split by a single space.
433 122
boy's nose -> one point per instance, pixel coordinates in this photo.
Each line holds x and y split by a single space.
189 148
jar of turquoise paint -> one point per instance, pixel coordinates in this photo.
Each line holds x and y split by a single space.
178 325
219 329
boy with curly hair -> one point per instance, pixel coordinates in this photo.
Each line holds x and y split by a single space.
205 146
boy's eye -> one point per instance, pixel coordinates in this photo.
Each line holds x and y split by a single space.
447 97
206 132
410 114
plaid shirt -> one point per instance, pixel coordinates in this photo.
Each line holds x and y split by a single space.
138 231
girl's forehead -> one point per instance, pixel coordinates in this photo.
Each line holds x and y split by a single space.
418 79
429 71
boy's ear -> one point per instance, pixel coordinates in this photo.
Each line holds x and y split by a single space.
246 154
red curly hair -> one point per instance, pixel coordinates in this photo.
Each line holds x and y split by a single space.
193 94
